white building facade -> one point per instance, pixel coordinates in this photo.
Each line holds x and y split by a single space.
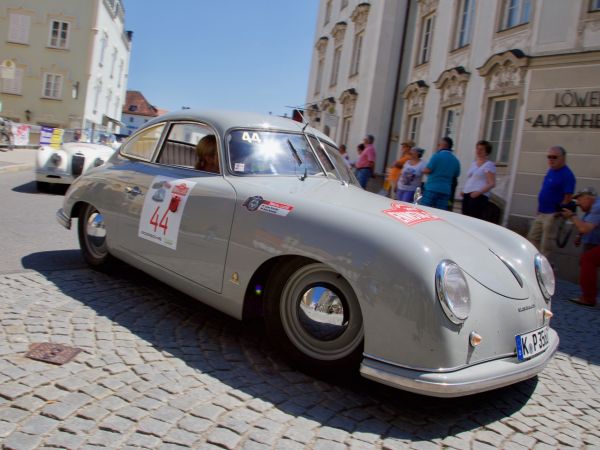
72 60
355 70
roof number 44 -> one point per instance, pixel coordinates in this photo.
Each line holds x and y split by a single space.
251 137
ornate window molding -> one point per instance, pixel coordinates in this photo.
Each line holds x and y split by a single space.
426 7
348 100
505 72
453 85
327 105
321 46
338 32
360 15
415 94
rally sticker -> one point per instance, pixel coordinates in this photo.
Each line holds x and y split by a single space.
409 215
239 167
163 208
257 203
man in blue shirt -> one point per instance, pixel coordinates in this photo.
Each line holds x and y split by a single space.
557 189
589 235
442 169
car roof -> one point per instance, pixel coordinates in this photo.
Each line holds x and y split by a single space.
224 120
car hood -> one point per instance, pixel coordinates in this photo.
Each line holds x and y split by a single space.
74 147
478 247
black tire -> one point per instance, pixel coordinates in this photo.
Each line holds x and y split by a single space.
92 234
324 336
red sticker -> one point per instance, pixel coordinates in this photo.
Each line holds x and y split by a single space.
181 189
409 215
279 209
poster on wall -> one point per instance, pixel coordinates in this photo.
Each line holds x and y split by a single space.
57 136
46 135
21 134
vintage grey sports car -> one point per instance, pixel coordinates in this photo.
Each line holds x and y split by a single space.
80 151
421 299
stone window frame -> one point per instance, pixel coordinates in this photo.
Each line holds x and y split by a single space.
414 95
459 16
338 33
61 21
57 85
321 48
11 26
504 77
452 84
14 86
426 9
348 100
359 17
501 15
327 18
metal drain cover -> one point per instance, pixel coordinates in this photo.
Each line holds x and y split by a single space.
52 353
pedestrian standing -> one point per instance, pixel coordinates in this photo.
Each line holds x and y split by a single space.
443 168
345 156
366 162
557 189
394 172
481 178
412 175
589 236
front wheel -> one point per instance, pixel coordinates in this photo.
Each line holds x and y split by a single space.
313 314
92 232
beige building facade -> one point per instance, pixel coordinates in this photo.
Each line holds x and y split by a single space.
71 58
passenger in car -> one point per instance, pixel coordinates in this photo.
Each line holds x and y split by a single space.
206 149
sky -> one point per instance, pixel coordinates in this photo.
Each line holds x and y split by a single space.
249 55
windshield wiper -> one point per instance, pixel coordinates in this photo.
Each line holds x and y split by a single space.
298 160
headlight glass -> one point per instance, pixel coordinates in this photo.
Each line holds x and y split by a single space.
453 291
98 162
55 159
545 276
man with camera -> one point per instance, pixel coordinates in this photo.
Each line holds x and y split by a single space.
557 189
589 236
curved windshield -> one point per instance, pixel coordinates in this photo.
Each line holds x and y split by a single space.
89 136
254 152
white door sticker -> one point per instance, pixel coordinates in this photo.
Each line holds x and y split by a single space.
163 208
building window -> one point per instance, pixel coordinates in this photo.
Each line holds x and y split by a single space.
52 85
103 45
113 62
595 5
121 66
426 38
117 107
98 89
14 85
59 34
327 12
337 56
500 129
319 76
346 124
465 20
450 124
412 132
343 4
355 65
516 12
18 28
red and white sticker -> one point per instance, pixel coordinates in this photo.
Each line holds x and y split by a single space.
409 215
279 209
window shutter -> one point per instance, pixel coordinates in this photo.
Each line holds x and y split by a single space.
18 30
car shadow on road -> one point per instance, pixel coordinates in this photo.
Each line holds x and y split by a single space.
239 355
32 188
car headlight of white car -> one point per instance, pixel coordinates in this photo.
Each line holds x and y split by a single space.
98 162
545 276
453 291
56 159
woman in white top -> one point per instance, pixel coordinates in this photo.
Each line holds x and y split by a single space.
481 178
412 175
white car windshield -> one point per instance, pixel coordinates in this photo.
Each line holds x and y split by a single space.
253 152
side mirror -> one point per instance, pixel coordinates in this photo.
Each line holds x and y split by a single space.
418 195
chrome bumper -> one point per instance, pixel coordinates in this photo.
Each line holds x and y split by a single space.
471 380
63 219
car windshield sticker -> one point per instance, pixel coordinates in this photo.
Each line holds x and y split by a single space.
239 167
163 208
251 137
257 203
409 215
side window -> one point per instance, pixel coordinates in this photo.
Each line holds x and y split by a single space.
342 166
323 158
191 145
143 144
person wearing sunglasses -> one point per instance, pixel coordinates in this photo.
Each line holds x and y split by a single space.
557 189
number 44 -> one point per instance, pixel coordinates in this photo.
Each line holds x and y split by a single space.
164 220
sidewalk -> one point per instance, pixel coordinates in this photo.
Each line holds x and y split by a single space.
17 160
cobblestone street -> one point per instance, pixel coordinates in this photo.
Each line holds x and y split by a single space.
161 371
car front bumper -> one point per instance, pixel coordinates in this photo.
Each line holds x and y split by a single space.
470 380
55 177
63 219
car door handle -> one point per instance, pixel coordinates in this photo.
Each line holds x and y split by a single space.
135 190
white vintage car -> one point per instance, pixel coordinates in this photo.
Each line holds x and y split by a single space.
260 216
79 152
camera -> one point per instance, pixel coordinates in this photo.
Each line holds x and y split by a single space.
571 206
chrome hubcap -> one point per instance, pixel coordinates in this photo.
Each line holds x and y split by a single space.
95 231
321 313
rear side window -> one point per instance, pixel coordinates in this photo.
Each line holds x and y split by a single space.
190 145
142 145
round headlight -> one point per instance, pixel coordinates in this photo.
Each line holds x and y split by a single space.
545 276
98 162
453 291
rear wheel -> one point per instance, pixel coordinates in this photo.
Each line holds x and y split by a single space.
313 314
92 234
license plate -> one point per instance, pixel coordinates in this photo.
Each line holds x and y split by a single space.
532 343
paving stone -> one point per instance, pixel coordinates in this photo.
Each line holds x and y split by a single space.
6 428
64 440
21 441
154 427
38 425
224 438
195 424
